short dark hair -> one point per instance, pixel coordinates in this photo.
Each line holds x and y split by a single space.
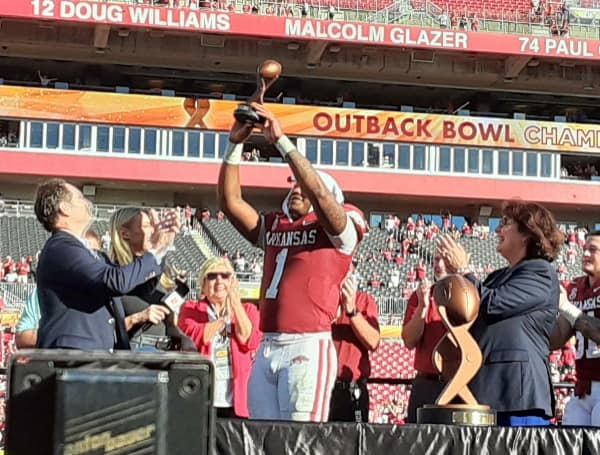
537 223
48 198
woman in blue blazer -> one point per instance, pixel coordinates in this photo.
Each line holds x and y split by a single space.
519 304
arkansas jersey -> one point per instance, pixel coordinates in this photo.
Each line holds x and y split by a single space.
587 299
303 272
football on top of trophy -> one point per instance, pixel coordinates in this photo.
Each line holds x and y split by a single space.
270 69
459 296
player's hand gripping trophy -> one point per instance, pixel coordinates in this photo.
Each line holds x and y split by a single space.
266 75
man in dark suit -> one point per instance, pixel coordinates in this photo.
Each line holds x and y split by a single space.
75 285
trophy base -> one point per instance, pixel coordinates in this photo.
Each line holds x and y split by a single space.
245 113
457 414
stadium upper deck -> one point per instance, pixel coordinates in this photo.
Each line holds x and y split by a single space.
218 44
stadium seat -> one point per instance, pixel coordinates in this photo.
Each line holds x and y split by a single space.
228 239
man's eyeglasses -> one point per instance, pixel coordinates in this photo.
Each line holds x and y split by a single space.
213 275
505 220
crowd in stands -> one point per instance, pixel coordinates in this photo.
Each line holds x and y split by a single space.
404 242
454 15
457 16
21 271
414 233
289 9
459 22
556 18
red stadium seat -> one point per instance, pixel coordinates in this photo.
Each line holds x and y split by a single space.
504 9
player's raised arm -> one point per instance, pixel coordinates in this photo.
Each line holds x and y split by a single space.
243 216
329 211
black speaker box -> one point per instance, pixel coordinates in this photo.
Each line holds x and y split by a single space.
75 403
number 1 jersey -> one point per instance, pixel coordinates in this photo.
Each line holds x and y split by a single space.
303 272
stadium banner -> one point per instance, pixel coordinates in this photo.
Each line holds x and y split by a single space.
364 33
297 120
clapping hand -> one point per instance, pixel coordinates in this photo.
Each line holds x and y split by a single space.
453 254
165 229
348 294
423 292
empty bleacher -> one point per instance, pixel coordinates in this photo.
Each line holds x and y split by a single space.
228 240
22 236
502 9
186 255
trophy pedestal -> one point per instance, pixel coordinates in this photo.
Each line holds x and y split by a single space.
457 414
246 113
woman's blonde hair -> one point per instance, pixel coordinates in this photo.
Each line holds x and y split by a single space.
211 264
120 251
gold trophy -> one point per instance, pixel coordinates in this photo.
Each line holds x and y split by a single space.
457 357
266 75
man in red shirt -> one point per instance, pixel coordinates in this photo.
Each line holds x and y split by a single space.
422 329
579 309
355 332
10 269
375 282
398 259
23 270
308 247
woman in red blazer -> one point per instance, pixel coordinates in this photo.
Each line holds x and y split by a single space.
226 330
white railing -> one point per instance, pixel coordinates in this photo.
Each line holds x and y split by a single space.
15 294
391 305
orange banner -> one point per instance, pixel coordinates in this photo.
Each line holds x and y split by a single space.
297 120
